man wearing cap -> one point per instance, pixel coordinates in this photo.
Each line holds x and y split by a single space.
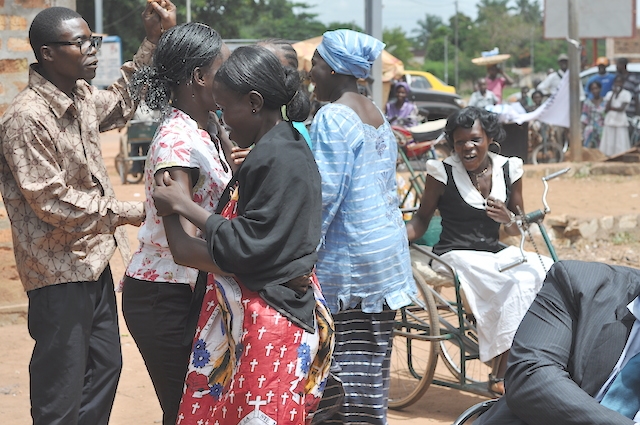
631 82
551 83
605 78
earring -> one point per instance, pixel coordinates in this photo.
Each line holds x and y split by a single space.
497 144
253 111
333 72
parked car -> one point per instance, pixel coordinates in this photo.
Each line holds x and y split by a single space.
428 92
426 80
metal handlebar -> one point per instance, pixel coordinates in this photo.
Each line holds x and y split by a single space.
523 258
556 174
534 217
545 179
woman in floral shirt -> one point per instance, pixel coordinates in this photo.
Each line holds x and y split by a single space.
157 292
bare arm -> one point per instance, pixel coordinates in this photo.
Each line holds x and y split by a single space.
419 223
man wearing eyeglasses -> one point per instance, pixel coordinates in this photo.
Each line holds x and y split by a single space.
64 215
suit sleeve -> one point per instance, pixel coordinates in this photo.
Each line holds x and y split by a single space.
539 388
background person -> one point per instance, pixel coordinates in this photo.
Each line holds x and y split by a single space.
482 97
477 192
603 77
615 136
592 118
288 57
550 84
363 261
157 292
263 346
630 83
572 344
64 215
496 81
402 111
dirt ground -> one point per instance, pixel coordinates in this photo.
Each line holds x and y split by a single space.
575 196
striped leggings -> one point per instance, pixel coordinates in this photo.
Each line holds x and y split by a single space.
363 352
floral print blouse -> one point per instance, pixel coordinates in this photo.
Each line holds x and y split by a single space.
178 142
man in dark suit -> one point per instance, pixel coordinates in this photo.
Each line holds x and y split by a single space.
566 347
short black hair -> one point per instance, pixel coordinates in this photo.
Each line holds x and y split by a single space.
596 82
622 61
466 118
257 68
46 27
537 92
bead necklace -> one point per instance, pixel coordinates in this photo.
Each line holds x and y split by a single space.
476 176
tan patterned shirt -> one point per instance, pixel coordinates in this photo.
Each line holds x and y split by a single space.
63 210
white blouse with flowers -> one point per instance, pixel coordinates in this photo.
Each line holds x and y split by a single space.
177 143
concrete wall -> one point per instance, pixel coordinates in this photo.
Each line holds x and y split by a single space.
15 51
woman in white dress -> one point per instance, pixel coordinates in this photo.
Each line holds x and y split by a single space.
615 136
476 192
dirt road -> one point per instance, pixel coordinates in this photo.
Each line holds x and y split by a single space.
136 402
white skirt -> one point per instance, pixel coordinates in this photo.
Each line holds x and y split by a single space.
498 300
615 140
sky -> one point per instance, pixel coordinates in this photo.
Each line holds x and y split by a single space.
402 13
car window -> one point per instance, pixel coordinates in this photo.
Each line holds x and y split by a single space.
419 82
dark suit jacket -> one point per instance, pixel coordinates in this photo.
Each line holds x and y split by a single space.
566 347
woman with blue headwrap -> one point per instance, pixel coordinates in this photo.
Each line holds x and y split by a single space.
363 259
402 111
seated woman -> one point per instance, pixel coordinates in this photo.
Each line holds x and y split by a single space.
477 191
264 338
402 111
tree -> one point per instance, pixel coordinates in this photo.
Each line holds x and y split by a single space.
529 11
397 44
426 29
231 18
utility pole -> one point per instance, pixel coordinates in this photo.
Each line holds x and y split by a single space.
456 45
446 59
575 138
188 10
533 62
99 28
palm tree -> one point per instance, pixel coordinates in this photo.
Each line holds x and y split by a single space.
426 28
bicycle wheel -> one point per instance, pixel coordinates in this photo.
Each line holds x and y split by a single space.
476 371
547 153
413 358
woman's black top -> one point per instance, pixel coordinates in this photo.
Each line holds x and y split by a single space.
466 227
275 235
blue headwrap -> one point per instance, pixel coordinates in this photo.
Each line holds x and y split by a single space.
350 52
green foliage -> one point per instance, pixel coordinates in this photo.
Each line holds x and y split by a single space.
511 25
397 44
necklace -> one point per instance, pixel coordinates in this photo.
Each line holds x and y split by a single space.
475 177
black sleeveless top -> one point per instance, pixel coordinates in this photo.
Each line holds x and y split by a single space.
466 227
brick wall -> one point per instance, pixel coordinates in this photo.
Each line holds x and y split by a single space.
623 47
15 51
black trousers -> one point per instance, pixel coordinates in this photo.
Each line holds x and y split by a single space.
76 362
156 315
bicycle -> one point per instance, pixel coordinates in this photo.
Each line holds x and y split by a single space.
549 151
436 325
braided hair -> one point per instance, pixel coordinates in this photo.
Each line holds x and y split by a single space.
180 51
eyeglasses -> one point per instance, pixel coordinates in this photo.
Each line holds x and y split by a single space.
84 45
